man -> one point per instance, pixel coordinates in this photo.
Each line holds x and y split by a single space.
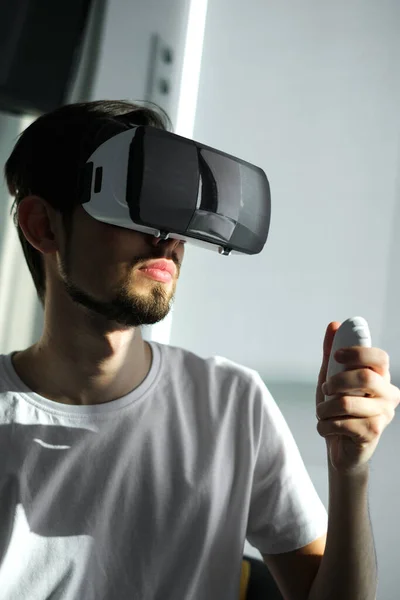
137 470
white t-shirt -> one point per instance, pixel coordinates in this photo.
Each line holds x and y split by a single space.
150 496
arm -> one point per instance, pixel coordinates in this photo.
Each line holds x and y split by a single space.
348 568
353 409
345 567
352 426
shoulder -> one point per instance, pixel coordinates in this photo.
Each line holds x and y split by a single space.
222 380
216 368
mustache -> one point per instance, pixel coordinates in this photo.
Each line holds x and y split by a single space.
157 255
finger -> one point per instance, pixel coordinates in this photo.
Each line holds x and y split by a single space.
362 430
355 383
359 356
327 346
353 406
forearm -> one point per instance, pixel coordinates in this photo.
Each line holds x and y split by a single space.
348 568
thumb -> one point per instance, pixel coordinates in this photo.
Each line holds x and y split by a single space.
327 347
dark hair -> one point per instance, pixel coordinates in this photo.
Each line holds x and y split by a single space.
48 154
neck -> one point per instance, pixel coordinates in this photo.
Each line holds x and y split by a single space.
90 367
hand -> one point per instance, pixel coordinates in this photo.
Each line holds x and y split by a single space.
362 406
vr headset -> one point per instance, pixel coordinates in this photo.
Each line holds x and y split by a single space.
168 186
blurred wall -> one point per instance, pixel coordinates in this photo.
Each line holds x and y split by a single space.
310 92
126 53
116 63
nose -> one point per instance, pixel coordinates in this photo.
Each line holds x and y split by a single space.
169 244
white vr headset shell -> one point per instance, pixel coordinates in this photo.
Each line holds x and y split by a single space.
168 186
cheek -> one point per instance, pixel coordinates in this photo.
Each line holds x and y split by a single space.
98 241
89 256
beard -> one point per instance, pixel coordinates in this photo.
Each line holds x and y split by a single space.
127 307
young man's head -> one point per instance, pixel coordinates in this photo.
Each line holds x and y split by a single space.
71 256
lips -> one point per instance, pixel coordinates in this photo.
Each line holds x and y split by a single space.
161 270
161 265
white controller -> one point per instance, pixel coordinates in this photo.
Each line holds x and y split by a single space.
352 332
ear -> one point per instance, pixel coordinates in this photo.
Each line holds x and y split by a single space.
38 223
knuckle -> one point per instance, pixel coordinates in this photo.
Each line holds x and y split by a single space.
375 426
366 377
340 425
337 382
345 403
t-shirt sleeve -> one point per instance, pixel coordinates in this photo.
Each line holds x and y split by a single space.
285 510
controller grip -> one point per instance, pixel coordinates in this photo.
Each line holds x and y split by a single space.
352 332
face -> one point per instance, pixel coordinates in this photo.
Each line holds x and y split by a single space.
99 267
